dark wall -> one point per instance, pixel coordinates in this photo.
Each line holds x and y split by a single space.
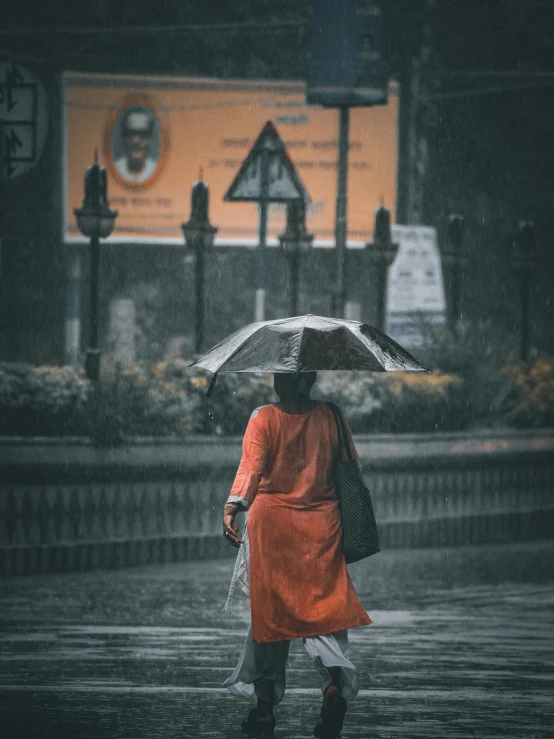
491 160
160 279
32 281
489 154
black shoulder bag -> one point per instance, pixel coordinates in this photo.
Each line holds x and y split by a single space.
359 528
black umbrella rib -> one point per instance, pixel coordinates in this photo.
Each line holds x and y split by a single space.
404 355
300 343
357 336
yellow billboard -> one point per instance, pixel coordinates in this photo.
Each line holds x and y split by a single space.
158 135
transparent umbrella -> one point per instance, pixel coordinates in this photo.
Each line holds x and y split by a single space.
307 343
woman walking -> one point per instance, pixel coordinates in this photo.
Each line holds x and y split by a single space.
297 578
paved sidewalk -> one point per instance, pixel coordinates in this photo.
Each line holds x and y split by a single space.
462 645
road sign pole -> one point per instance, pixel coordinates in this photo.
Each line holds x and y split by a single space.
340 224
199 294
266 175
264 193
93 353
73 310
2 314
347 67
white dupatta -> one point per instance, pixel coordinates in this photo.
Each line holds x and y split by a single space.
241 573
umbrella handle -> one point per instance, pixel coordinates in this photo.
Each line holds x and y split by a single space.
211 385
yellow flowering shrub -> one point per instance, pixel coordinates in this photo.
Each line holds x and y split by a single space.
396 402
425 382
530 401
161 401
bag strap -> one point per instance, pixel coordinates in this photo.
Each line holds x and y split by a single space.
337 424
341 431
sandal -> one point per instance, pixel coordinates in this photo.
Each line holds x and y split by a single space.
258 726
332 714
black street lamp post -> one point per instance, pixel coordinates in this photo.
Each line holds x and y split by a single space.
95 220
523 262
199 235
381 253
454 258
296 243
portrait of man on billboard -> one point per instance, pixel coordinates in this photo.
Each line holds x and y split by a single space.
135 143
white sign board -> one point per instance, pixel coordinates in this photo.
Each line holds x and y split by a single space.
415 290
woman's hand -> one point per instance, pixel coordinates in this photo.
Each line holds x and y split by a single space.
230 528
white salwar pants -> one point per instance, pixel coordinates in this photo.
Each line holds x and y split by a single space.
261 669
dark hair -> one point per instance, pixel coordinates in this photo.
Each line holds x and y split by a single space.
293 384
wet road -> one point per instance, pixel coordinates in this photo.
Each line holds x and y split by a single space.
462 645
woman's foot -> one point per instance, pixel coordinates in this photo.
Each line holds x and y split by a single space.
333 711
260 722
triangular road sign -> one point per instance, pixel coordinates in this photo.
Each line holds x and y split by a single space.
283 180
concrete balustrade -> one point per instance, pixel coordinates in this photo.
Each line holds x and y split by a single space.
66 505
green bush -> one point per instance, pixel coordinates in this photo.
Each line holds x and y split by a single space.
400 402
42 401
181 393
169 400
477 353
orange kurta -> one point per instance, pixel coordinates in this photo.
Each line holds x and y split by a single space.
299 584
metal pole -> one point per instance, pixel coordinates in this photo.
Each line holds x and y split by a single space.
455 293
294 279
340 224
524 349
412 211
382 271
199 329
3 200
455 259
73 310
264 192
93 353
